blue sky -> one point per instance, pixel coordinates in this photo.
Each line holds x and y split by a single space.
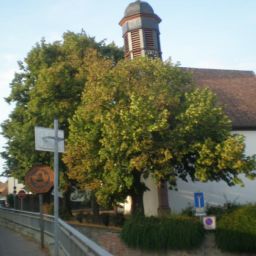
196 33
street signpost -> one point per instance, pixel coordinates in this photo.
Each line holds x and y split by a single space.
209 222
199 203
52 140
45 138
199 199
39 179
21 195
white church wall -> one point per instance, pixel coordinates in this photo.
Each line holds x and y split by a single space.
217 193
14 182
150 198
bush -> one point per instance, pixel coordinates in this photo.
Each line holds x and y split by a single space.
151 233
10 200
216 210
236 231
219 210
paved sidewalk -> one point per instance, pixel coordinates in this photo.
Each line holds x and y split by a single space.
14 244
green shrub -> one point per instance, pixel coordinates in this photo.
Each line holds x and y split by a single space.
10 200
216 210
236 231
158 234
220 210
188 211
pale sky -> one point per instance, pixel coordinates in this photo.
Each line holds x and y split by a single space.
196 33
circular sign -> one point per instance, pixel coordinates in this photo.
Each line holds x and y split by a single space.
39 179
209 221
21 194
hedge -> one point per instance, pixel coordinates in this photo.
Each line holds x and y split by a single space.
161 234
236 231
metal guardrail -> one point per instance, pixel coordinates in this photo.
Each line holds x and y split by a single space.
71 241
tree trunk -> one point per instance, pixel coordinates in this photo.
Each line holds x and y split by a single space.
136 194
163 206
137 204
94 205
66 209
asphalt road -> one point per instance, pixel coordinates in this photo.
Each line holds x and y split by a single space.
14 244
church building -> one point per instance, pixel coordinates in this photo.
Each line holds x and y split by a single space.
236 91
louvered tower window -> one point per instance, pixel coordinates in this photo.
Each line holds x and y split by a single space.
149 39
136 48
126 46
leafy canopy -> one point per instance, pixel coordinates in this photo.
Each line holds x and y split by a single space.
49 84
144 117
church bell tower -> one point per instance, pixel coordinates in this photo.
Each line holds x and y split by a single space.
141 31
141 38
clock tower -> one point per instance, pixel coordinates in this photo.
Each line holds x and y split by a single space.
141 31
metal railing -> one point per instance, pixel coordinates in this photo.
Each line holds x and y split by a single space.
71 241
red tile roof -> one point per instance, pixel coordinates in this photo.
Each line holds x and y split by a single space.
236 91
3 188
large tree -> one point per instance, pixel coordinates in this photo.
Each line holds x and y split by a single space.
145 117
49 84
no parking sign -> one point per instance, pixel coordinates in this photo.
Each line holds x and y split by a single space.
209 222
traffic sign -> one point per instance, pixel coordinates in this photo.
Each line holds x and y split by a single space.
44 139
199 200
39 179
209 222
21 194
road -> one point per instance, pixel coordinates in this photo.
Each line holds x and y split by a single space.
14 244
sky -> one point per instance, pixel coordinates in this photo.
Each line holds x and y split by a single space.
196 33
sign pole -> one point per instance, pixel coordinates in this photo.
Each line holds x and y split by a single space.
21 204
41 219
56 185
51 140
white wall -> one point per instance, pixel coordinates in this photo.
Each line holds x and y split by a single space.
11 182
215 193
150 198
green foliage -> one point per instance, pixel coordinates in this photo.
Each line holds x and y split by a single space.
188 211
219 210
10 200
144 117
121 129
215 210
160 234
49 84
236 231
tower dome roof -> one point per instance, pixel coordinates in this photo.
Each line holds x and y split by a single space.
138 7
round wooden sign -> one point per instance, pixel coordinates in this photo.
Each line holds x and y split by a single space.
39 179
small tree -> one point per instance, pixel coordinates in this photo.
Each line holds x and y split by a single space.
144 117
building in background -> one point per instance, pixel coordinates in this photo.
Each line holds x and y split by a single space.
3 193
236 91
14 186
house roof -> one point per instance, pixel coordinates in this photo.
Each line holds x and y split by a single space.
236 91
3 189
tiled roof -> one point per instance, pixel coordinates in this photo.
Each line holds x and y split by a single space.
3 189
236 91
